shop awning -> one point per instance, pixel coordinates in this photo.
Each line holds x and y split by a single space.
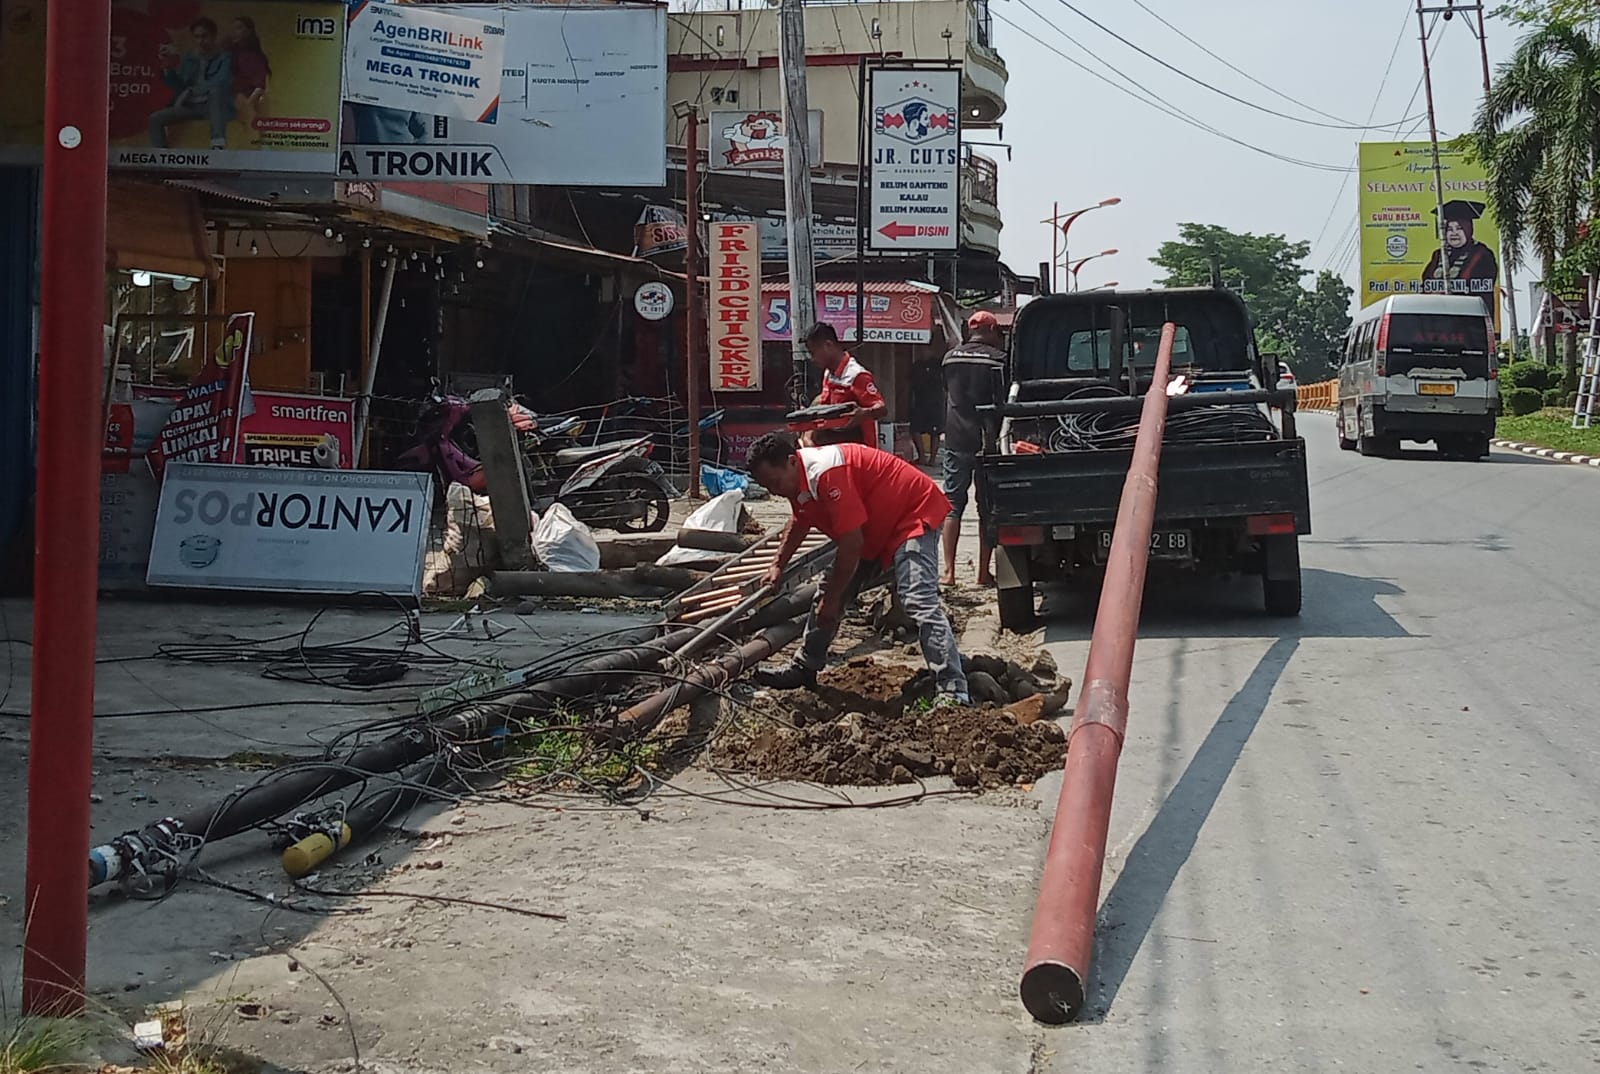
897 311
156 229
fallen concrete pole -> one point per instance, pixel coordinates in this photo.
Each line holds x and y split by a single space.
647 582
172 838
715 540
1055 978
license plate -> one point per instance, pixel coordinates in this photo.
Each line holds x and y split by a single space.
1164 544
1436 389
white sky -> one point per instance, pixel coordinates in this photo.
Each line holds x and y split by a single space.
1077 140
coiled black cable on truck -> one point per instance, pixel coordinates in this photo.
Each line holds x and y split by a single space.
1103 431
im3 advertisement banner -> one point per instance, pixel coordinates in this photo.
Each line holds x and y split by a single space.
1400 230
196 85
583 102
914 148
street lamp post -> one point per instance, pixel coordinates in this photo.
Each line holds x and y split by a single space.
1109 285
1060 225
1077 266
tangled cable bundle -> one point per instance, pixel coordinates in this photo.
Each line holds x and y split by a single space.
1101 431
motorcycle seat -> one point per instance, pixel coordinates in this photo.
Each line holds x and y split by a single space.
574 456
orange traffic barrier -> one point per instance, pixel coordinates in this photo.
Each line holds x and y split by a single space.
1321 396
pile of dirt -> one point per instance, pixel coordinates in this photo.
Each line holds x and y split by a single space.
873 723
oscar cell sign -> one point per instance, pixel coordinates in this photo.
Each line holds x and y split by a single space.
734 263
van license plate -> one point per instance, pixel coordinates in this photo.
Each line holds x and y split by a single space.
1436 389
1164 544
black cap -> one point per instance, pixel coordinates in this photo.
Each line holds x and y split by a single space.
1462 210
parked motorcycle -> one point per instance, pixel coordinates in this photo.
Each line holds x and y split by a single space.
612 485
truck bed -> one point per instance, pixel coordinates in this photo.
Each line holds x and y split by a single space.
1197 482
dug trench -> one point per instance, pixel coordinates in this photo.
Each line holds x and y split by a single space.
872 722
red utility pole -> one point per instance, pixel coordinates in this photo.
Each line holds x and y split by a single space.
1055 979
691 269
67 519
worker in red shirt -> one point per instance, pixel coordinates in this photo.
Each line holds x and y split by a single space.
845 380
829 489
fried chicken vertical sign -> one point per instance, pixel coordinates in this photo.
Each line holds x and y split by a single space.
735 264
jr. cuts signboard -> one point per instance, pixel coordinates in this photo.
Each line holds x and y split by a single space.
733 262
409 57
583 102
914 183
280 530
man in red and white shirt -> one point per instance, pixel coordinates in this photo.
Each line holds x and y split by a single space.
829 489
845 380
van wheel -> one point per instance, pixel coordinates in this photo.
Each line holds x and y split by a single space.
1281 596
1016 609
1345 443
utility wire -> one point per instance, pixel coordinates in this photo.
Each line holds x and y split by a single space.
1153 102
1252 78
1218 90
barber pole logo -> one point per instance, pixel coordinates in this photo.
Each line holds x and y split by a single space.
915 119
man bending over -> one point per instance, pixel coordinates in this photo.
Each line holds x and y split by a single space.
880 511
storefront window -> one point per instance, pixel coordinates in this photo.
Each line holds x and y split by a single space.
153 317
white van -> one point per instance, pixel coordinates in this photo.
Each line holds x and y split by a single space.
1420 367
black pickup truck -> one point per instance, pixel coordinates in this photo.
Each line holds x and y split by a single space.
1232 496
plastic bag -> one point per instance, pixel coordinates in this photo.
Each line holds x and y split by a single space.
562 543
720 515
718 481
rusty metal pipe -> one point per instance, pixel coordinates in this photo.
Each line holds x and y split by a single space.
1055 977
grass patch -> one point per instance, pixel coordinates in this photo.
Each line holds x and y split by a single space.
1550 428
563 750
36 1045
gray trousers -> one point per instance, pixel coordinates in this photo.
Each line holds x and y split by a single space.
916 580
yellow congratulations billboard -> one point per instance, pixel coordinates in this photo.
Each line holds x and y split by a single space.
196 85
1400 233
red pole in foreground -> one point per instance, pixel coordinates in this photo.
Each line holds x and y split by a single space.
67 518
691 290
1057 971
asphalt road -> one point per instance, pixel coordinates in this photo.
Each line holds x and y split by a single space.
1369 840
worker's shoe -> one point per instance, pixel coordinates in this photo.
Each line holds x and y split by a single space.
788 677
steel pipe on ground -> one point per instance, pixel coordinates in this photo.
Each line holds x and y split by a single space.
1055 977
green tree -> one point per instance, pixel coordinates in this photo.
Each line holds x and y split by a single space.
1531 12
1300 324
1538 136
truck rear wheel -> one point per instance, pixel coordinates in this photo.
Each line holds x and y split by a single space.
1016 609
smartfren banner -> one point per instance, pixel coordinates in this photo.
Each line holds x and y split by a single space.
583 102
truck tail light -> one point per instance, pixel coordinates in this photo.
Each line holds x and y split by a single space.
1015 535
1270 525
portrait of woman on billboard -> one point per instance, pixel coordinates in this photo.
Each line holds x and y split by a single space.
1466 259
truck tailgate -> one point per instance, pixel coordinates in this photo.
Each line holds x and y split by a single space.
1197 482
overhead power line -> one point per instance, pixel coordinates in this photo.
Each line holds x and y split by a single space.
1246 74
1152 101
1216 89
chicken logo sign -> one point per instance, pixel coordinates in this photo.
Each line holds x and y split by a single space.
756 139
915 120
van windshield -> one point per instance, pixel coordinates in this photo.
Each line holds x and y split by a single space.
1432 340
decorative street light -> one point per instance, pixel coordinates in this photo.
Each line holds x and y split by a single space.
1060 225
1109 285
1076 266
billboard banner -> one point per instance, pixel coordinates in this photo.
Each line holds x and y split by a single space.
914 182
408 57
196 85
1400 227
583 102
227 85
750 141
733 260
890 318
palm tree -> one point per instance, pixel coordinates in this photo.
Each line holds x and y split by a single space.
1538 135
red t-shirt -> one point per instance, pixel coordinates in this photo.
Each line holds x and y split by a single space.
841 480
851 383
